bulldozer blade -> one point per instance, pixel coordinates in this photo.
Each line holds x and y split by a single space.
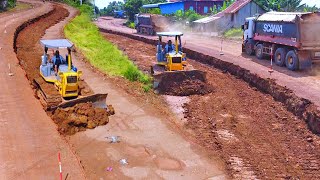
98 100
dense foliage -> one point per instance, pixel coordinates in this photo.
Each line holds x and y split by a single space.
113 6
4 4
132 7
285 5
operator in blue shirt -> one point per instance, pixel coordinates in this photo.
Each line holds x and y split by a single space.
57 59
169 47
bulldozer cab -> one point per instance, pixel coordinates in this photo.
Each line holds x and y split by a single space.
66 80
170 56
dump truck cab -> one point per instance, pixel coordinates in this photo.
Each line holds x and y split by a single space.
175 59
66 80
248 28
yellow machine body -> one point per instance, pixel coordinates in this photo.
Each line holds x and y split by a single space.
67 80
174 60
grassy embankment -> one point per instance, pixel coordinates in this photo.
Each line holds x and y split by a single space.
101 53
235 33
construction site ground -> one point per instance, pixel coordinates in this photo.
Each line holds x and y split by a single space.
29 140
255 135
153 145
234 131
305 83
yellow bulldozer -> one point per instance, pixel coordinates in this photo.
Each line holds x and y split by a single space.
63 87
171 61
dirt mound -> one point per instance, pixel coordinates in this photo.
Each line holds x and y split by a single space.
184 83
80 117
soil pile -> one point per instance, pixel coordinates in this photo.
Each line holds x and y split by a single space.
80 117
184 83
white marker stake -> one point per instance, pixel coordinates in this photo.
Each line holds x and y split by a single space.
271 69
5 28
221 53
10 73
60 168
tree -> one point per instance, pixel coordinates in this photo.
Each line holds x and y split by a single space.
307 8
153 1
281 5
132 7
113 6
224 6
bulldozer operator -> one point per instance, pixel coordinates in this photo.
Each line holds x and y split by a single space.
57 59
169 47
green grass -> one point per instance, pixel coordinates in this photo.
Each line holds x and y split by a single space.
101 53
233 33
132 25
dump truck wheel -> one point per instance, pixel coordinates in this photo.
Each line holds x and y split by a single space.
151 31
249 48
292 61
259 51
280 57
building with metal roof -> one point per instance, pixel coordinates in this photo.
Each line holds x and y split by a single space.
232 17
199 6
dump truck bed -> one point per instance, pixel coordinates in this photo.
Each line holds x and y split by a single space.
300 30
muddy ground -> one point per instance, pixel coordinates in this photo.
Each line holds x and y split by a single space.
69 120
255 135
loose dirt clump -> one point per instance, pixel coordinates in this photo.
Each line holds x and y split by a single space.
80 117
184 84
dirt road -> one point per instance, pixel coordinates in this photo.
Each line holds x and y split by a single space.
256 136
28 138
305 84
151 144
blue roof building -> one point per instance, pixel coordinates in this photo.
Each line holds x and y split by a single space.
199 6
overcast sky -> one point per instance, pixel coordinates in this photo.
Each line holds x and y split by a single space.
104 3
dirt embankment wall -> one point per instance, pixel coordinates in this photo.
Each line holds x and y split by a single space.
300 107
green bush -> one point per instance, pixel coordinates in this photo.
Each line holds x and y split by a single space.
101 53
86 9
132 25
233 33
12 3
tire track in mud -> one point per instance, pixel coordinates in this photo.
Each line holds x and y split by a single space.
255 135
